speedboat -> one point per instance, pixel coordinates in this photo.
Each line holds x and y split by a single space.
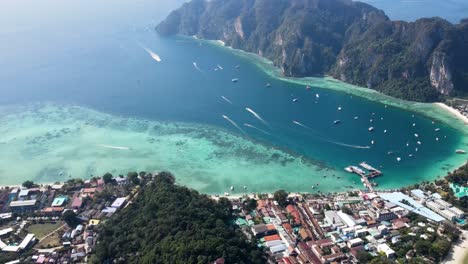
371 129
235 80
295 100
339 108
336 122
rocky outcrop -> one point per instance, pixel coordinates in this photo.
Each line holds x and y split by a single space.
440 75
349 40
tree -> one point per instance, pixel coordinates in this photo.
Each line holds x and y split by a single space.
70 218
167 223
363 256
133 178
28 184
281 196
250 204
107 178
423 247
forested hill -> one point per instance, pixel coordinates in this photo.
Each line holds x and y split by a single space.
352 41
172 224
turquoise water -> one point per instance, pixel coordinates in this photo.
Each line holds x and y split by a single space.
84 97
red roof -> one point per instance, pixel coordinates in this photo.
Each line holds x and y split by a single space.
272 237
290 208
77 202
288 227
52 209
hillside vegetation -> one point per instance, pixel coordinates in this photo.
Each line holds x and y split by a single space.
167 223
352 41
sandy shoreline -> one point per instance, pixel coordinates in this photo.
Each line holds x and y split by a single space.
459 251
453 111
438 111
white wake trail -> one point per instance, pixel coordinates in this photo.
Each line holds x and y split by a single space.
256 128
195 65
113 147
150 52
257 116
225 99
234 124
300 124
329 140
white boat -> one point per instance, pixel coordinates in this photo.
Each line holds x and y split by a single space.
437 139
339 108
398 159
416 135
419 142
356 118
372 120
372 142
460 151
414 124
371 129
268 85
317 95
232 188
385 131
235 80
336 122
295 100
437 129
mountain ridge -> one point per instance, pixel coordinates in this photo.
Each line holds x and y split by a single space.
351 41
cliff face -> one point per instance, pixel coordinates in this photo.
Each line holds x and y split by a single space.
349 40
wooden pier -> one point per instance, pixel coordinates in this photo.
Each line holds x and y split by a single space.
370 173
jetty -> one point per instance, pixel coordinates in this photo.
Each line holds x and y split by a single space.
367 172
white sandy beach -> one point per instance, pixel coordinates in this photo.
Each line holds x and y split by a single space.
454 112
459 251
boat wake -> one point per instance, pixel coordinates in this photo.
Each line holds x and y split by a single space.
315 134
195 65
113 147
300 124
256 128
225 99
234 124
257 116
151 53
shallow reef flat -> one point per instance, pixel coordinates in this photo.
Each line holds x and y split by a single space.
50 142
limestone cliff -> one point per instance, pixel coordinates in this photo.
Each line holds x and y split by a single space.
349 40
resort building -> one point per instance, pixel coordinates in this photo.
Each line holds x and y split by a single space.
22 206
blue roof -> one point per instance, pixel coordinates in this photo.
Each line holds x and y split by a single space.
397 197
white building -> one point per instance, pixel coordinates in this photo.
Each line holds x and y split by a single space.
386 249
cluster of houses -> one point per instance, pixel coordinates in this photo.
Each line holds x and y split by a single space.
334 229
21 207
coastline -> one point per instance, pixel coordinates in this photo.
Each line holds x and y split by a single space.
459 252
453 111
432 111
